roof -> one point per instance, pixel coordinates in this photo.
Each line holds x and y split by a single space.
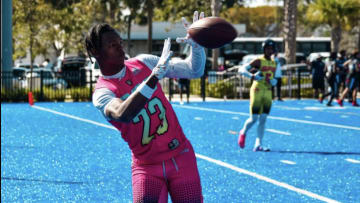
162 30
280 39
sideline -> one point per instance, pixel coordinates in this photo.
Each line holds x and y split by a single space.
270 117
226 165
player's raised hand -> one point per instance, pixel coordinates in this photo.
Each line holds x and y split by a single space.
186 24
160 69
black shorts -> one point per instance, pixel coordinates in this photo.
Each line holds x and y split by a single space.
352 83
318 83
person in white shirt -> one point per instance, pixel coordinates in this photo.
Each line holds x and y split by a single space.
278 76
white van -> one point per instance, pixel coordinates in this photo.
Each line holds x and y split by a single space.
94 68
27 65
313 56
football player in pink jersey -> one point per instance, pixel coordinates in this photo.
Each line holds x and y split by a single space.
131 99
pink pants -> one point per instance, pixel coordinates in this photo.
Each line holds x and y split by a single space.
179 176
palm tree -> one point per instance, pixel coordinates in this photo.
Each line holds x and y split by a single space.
150 14
26 14
289 31
133 6
337 14
215 10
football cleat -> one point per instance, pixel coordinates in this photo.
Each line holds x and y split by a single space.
261 149
340 102
241 140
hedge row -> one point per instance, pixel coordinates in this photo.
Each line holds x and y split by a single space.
49 94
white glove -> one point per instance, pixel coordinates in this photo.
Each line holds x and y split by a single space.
258 76
273 82
162 66
186 24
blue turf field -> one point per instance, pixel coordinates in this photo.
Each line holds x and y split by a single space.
68 152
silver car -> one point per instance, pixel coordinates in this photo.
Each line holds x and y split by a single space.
48 77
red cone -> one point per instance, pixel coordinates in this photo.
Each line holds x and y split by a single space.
31 99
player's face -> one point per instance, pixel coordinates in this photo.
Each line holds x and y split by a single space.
268 51
112 51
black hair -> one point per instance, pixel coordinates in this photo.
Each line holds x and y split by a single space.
93 37
354 55
333 55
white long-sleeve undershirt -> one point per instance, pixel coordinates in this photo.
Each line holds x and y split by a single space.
191 67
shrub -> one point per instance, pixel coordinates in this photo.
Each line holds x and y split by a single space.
54 95
17 95
221 89
195 86
80 94
49 94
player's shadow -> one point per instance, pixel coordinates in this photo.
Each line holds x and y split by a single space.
316 152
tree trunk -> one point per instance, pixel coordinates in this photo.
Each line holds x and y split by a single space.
336 32
150 15
31 62
358 42
57 49
129 34
112 13
215 10
290 9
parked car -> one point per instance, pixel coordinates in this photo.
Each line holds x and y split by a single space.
92 68
233 57
70 70
48 77
300 57
73 63
27 65
314 55
19 77
19 72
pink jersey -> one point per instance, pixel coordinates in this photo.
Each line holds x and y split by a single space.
154 134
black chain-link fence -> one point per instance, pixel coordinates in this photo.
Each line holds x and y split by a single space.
78 85
296 83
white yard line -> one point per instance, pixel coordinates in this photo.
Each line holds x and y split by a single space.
271 117
288 162
220 163
269 130
278 132
353 161
266 179
74 117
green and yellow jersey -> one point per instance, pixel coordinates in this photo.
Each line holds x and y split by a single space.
260 91
268 68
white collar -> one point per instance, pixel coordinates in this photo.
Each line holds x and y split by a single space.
119 75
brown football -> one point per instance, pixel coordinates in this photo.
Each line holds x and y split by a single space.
212 32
